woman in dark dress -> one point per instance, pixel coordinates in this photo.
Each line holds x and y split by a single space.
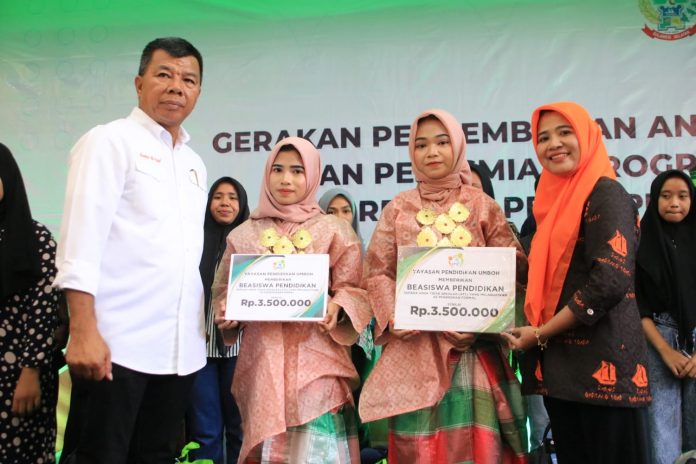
584 350
28 379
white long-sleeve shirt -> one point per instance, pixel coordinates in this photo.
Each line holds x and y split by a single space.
132 236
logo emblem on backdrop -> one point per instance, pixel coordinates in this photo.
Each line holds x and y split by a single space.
671 19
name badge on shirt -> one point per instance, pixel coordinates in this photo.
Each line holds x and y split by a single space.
149 164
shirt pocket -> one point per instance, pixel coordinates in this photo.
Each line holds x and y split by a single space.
192 182
195 199
147 191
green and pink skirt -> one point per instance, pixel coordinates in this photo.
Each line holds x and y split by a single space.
330 438
481 418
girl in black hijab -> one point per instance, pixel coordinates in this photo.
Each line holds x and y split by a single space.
28 319
20 266
217 230
666 295
213 412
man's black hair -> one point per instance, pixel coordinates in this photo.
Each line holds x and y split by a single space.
174 46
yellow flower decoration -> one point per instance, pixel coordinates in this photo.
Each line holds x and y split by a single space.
283 246
461 237
269 237
426 238
444 242
301 239
444 224
458 212
425 217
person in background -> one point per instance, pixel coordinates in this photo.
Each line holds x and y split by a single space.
666 295
340 203
481 179
584 349
449 396
364 353
131 244
29 318
529 225
294 380
213 416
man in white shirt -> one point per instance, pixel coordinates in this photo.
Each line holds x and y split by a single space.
131 243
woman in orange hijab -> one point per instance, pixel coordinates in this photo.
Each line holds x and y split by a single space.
584 350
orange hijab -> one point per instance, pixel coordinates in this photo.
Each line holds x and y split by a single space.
558 210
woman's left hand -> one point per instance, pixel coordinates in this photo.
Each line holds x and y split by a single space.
331 319
461 341
27 394
520 338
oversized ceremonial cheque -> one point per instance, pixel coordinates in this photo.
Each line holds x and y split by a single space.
467 289
277 287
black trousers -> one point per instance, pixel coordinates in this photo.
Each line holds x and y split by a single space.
585 433
135 418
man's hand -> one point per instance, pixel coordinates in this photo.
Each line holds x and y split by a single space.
87 354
